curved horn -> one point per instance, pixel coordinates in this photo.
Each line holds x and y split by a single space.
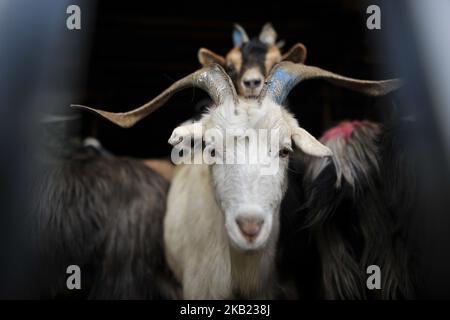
212 79
286 75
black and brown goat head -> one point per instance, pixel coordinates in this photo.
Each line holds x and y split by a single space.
250 60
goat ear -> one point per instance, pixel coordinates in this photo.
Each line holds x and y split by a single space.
296 54
186 132
308 144
207 57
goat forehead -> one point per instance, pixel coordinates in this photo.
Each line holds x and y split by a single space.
249 115
254 50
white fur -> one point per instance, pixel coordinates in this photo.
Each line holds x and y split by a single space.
204 246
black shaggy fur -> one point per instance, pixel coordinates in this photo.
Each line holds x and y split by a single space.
104 214
350 220
297 258
344 216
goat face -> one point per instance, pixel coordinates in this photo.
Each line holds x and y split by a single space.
251 143
248 66
250 60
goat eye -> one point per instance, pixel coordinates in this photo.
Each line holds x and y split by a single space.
284 152
213 152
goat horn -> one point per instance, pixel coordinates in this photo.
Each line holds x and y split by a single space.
286 75
212 79
239 35
268 34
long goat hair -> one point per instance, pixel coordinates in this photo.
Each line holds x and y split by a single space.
103 213
348 217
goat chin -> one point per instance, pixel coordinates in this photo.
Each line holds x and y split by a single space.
198 248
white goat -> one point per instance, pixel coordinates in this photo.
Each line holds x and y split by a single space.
209 204
222 222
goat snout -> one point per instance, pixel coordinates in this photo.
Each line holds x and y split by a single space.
252 80
252 83
250 227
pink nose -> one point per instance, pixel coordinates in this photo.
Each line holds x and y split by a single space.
250 227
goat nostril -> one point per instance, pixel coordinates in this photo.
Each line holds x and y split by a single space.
247 83
249 227
253 83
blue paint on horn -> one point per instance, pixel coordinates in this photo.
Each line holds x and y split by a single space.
237 38
280 84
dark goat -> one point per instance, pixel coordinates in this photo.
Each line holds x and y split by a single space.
348 220
249 62
103 213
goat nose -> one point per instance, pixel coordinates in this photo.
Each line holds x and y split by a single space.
252 83
250 227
